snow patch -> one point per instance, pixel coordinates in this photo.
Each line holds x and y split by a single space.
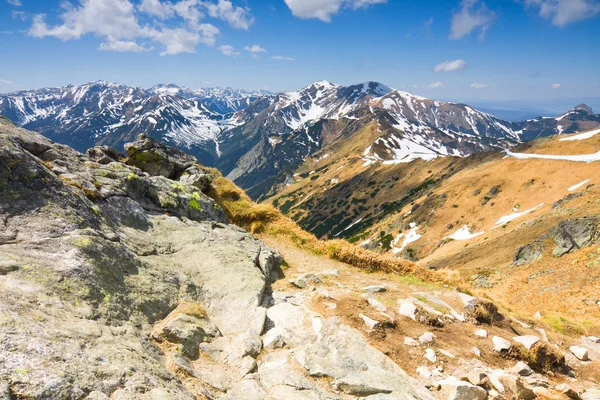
587 158
507 218
575 187
464 233
581 136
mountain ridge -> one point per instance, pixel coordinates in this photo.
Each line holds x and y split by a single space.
258 139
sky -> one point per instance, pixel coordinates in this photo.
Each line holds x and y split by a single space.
493 52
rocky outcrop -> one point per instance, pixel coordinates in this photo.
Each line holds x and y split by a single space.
118 282
567 236
157 159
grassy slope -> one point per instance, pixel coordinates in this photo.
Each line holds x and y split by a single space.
443 195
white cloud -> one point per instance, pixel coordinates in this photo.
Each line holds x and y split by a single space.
193 11
324 9
157 9
472 15
480 86
111 19
16 3
183 41
563 12
282 58
556 85
123 46
449 66
437 85
255 50
229 51
237 17
116 22
5 82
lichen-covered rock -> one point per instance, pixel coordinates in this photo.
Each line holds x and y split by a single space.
95 253
104 155
157 159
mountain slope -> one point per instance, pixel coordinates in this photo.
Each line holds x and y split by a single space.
124 279
270 141
260 140
471 215
112 114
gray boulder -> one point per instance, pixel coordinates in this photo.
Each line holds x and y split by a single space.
157 159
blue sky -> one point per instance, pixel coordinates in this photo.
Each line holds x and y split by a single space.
508 50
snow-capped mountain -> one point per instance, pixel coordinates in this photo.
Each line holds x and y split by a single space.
259 138
109 113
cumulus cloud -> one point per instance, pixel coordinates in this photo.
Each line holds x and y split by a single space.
123 46
563 12
181 40
325 9
480 86
177 26
111 19
16 3
472 15
237 17
193 11
157 9
229 51
449 66
255 50
556 85
436 85
5 82
282 58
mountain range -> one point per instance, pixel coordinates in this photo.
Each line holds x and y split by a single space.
259 139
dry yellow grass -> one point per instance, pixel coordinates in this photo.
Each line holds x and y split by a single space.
262 218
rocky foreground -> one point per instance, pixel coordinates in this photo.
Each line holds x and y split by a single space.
121 279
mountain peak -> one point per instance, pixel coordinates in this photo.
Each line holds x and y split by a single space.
583 107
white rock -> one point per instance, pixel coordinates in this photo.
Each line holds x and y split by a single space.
566 390
523 324
521 369
374 289
376 304
537 315
476 377
408 309
455 389
494 379
528 341
447 353
424 372
410 342
430 355
579 352
317 324
515 386
426 338
543 333
482 333
593 339
501 344
371 323
591 394
469 302
476 351
274 339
